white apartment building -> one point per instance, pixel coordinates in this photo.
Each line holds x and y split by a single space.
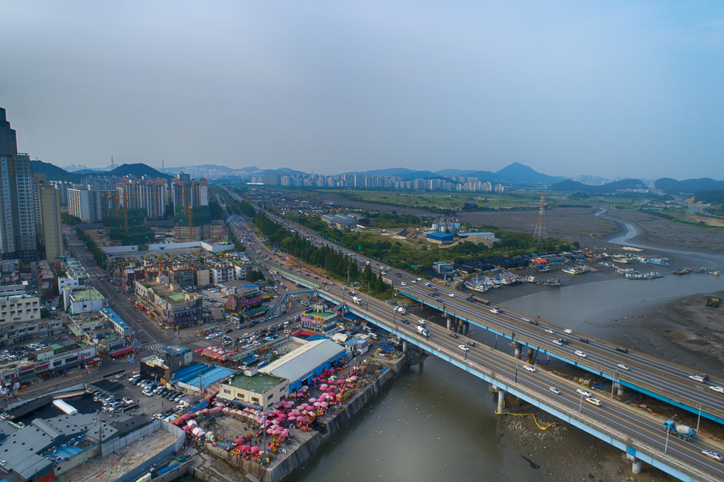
221 274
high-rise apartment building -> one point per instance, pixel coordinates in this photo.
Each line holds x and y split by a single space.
18 234
50 220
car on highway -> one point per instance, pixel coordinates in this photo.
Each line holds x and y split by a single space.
530 368
451 295
713 455
453 335
419 279
471 343
463 347
568 331
580 353
697 378
555 390
717 389
494 310
405 322
583 392
623 367
594 401
548 330
558 342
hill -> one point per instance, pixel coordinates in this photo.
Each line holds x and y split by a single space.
611 187
136 170
55 173
688 186
517 173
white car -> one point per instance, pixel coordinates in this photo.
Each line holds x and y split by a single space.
419 279
594 401
717 389
555 390
568 330
403 284
623 367
451 295
558 342
580 353
583 392
530 368
463 347
494 310
713 455
548 330
697 378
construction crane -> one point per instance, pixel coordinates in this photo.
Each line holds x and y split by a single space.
125 199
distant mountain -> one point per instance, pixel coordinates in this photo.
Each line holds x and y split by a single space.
54 173
611 187
688 186
403 172
136 170
518 173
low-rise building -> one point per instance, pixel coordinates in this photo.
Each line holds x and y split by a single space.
221 273
318 321
300 366
169 307
258 390
165 361
82 300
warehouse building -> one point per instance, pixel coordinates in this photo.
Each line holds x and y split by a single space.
306 362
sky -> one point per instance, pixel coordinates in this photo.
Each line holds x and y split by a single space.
611 89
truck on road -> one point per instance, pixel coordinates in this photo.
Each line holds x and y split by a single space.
356 300
424 331
401 310
683 431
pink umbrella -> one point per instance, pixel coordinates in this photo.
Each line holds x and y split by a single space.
292 417
255 450
245 448
239 441
317 404
340 382
282 416
324 404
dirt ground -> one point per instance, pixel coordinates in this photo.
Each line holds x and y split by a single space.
122 461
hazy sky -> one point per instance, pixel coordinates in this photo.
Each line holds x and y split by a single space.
633 89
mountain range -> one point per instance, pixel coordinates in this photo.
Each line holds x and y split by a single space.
516 174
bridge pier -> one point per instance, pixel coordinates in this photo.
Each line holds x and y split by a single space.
518 347
404 346
501 399
635 464
461 326
449 323
467 327
619 389
530 355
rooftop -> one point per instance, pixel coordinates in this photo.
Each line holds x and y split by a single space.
86 294
258 383
303 360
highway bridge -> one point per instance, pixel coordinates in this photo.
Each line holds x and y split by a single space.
636 432
652 376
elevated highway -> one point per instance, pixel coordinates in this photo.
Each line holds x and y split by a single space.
653 376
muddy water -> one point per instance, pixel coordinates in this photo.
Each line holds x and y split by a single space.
431 424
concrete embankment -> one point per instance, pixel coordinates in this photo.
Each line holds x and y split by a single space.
329 426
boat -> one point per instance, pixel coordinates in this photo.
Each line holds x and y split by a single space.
549 282
544 268
682 271
714 273
574 270
702 270
634 275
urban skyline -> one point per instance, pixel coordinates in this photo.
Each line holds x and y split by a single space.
614 90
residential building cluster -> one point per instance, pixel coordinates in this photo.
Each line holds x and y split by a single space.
367 181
